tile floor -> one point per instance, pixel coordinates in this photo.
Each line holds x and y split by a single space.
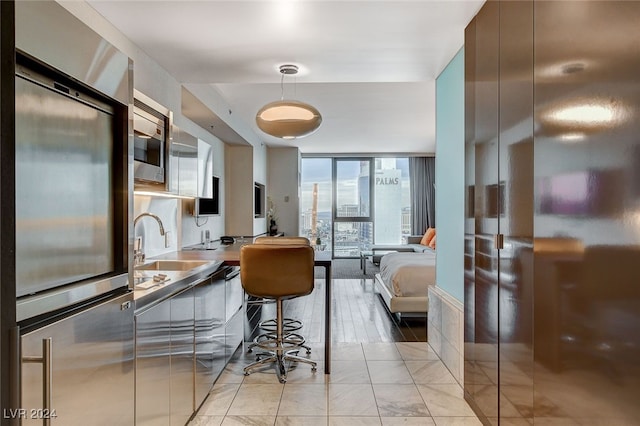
402 383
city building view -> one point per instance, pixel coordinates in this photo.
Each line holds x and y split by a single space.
371 204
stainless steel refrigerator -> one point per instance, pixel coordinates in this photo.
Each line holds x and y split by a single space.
74 307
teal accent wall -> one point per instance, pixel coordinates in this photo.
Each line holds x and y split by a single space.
450 178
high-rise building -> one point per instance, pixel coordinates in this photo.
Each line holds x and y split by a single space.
406 222
388 202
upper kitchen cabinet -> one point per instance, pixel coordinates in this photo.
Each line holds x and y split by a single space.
205 170
183 163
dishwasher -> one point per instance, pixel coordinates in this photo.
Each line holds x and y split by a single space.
234 316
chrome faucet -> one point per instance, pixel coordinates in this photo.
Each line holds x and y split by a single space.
138 253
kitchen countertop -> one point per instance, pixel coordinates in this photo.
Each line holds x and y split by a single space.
228 253
175 281
215 254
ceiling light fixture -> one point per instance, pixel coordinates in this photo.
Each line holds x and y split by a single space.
587 114
572 137
565 68
288 119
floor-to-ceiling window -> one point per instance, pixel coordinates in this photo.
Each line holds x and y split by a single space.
347 204
315 202
352 206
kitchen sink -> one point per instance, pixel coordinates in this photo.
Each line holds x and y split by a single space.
171 265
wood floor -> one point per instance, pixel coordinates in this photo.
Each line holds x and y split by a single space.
358 315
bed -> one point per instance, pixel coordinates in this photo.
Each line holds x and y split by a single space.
403 281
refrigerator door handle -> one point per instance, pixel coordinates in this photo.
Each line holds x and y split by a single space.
47 378
14 379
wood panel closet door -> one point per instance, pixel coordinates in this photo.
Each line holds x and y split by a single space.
515 305
481 301
587 204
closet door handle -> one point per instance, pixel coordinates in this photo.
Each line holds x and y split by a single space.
47 378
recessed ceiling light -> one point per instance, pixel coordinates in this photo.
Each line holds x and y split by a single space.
587 113
564 68
572 137
573 68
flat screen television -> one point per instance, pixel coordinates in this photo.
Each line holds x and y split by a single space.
258 202
581 193
206 207
495 200
209 206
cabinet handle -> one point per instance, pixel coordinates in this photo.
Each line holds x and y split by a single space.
14 378
499 241
47 377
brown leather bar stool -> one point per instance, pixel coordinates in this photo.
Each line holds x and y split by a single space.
277 272
290 325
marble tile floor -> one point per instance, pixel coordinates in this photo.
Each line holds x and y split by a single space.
402 383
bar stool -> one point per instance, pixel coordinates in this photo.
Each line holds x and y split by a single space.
277 272
290 325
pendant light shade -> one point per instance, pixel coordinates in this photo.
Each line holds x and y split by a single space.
288 119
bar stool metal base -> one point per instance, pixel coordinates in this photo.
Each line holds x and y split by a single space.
266 341
279 350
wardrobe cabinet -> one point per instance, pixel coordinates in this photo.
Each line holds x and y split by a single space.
552 239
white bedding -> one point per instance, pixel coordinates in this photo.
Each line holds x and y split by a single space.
408 274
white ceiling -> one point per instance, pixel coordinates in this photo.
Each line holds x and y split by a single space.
369 67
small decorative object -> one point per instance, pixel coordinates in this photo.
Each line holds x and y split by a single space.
318 241
271 215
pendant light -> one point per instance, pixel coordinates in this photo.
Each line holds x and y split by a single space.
288 119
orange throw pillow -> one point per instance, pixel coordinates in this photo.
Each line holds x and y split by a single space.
428 236
432 243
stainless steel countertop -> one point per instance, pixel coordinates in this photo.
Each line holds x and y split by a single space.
175 282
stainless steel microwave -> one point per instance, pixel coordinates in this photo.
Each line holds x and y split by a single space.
150 135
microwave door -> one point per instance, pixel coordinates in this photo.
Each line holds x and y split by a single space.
148 144
148 147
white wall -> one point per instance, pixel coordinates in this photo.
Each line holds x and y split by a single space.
167 209
237 159
260 225
282 187
239 197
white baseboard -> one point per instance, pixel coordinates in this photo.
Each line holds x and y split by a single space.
445 330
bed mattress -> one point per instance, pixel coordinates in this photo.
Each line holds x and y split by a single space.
408 274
